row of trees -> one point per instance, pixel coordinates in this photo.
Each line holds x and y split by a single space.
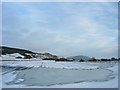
94 59
91 60
58 59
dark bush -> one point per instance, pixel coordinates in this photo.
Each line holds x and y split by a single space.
18 57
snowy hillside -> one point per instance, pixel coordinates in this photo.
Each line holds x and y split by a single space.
9 53
11 56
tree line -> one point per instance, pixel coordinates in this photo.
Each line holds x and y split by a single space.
82 60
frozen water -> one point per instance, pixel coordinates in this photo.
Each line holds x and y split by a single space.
42 74
52 76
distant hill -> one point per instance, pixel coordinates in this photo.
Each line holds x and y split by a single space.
16 53
79 57
9 50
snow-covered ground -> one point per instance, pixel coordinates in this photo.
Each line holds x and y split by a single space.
11 56
53 64
105 74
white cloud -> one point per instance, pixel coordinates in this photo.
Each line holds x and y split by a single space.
69 29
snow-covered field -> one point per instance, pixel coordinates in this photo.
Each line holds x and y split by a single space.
51 74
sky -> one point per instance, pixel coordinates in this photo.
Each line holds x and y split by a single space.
62 28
